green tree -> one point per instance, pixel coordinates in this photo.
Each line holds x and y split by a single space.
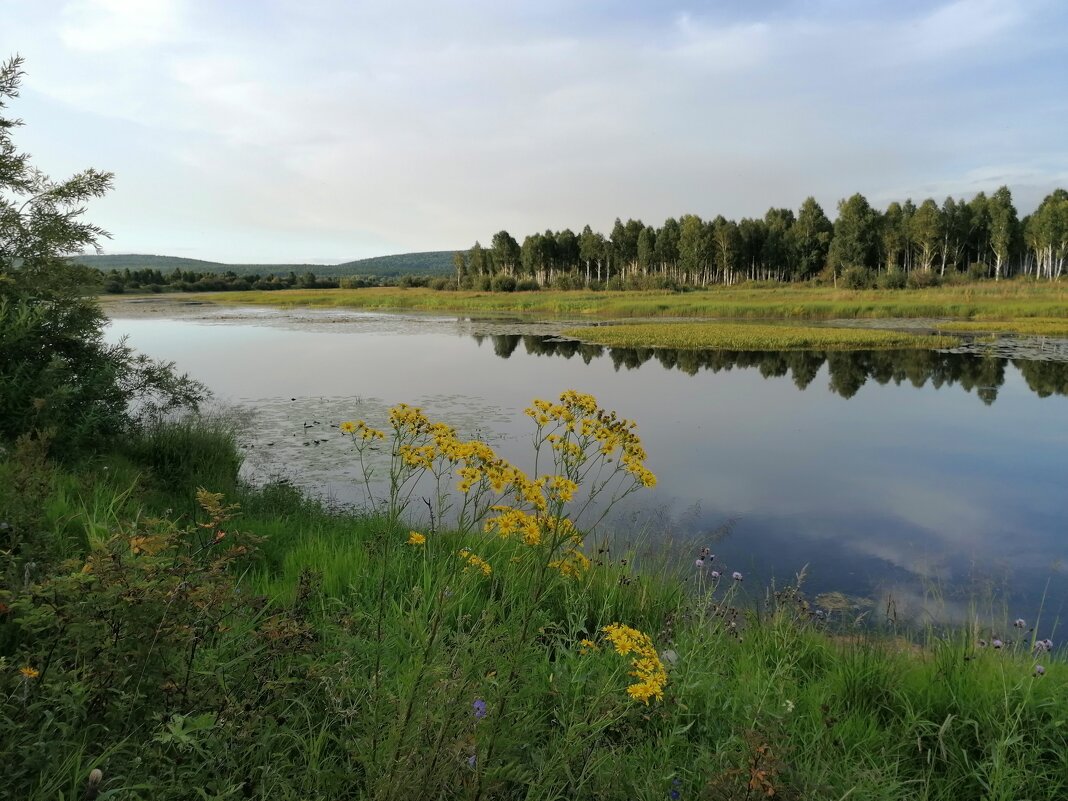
646 248
56 371
505 252
1004 227
926 229
811 238
695 248
855 242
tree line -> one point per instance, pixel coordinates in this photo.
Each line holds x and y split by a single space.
116 282
904 244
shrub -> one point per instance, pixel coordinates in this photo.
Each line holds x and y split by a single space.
503 283
923 279
892 279
857 278
527 285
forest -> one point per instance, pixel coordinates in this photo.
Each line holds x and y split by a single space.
904 245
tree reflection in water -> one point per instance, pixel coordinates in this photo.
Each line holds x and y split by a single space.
848 370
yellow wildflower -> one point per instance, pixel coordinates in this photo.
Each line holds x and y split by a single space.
588 647
562 489
415 538
649 671
572 564
348 427
29 672
474 561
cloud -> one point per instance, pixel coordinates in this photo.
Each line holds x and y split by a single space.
107 25
421 126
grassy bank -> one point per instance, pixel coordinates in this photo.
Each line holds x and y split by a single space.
750 336
1006 300
284 650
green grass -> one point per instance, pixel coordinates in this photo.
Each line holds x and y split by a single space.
351 668
751 336
1005 300
1025 327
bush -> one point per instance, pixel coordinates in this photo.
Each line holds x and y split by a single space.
566 281
857 278
503 283
923 279
440 283
527 285
892 279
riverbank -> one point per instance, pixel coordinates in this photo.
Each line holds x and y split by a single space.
284 649
1003 301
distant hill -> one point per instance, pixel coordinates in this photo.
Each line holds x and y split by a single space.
435 262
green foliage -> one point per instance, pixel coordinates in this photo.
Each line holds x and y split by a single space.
857 278
504 283
329 658
56 372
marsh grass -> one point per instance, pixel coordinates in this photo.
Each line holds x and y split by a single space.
753 337
1027 327
333 660
1005 300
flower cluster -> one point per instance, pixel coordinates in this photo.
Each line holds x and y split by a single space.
474 562
360 430
649 671
576 422
572 564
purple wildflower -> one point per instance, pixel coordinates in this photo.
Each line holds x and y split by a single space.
1048 643
472 761
675 794
1039 670
699 562
1020 623
997 643
714 574
479 708
736 576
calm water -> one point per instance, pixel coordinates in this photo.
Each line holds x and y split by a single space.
901 475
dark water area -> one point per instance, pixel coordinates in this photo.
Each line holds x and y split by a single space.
933 481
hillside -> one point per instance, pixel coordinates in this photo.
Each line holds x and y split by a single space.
437 262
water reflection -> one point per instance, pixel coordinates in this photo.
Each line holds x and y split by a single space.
848 370
901 491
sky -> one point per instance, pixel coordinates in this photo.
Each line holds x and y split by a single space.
327 130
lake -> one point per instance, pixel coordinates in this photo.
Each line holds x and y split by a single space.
930 481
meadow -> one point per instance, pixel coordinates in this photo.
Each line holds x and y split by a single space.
242 642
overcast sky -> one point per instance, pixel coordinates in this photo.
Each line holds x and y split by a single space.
327 130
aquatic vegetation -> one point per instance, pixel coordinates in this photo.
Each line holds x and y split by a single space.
752 337
1005 300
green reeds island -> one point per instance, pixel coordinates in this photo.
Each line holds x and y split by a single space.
752 336
1004 301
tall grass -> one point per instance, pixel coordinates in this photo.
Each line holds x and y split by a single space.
338 659
1005 300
